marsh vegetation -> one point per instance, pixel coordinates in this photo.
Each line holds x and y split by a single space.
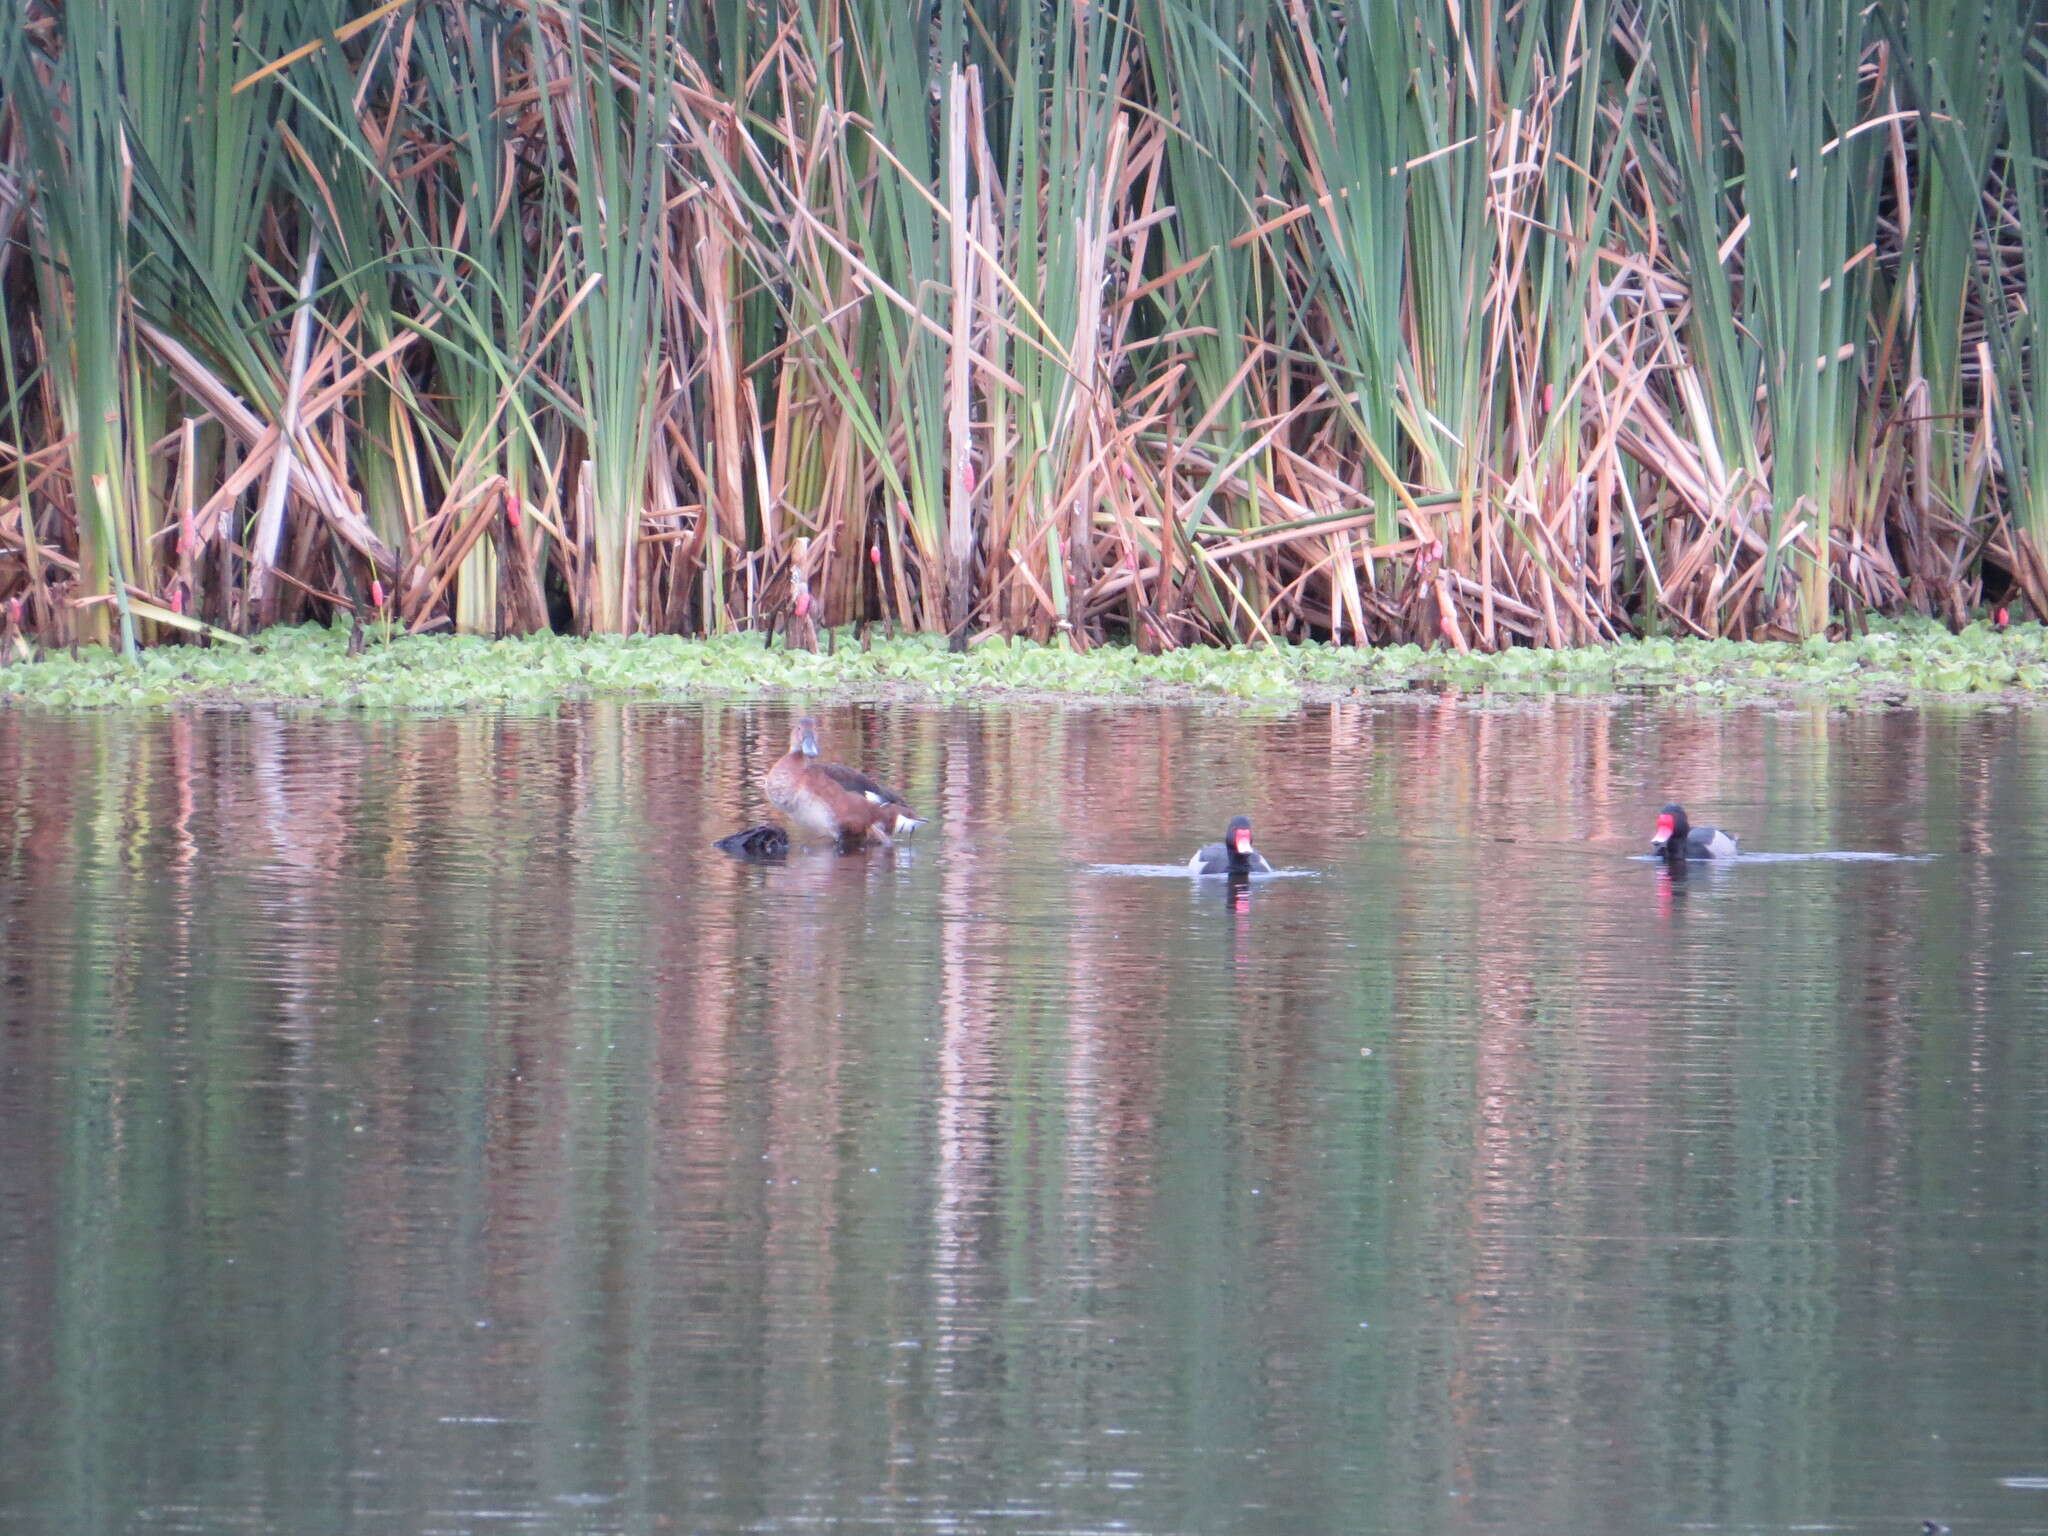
1470 324
441 673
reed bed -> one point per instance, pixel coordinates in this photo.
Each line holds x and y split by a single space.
1474 324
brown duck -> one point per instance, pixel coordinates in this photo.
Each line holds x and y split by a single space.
832 800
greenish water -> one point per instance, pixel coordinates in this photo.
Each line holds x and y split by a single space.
412 1125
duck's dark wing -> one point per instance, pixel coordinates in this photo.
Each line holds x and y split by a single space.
853 780
1259 864
1210 859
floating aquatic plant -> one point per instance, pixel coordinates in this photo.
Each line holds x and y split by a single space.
315 666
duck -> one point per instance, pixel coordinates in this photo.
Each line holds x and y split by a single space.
1235 855
830 800
1678 838
765 842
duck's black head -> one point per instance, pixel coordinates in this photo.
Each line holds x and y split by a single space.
1237 842
1672 828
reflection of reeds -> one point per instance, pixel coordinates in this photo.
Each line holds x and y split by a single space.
1491 323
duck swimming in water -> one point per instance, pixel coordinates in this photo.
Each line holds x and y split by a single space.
1235 855
830 800
765 843
1679 839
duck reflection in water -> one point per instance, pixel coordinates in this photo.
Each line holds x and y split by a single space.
1237 900
1670 886
1676 878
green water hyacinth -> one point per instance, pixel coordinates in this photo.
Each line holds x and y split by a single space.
311 666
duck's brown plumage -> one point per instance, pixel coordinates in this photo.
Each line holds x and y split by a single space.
831 800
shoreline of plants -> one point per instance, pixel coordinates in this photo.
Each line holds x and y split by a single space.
1495 323
318 668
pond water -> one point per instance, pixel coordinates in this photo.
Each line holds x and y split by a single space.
413 1125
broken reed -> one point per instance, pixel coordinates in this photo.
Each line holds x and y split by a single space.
1481 323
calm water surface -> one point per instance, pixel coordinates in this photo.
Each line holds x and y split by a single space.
412 1125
